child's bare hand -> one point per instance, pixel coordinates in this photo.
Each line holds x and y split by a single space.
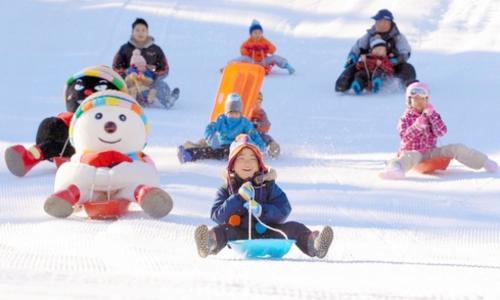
379 62
362 58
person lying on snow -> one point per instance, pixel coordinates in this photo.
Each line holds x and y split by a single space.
372 68
259 119
220 134
257 49
419 128
155 59
249 182
140 80
397 45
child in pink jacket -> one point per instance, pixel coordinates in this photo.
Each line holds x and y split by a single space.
419 128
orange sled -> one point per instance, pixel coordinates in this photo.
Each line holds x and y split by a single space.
242 78
106 210
433 164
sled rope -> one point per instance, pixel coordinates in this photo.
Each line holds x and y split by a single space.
64 147
261 223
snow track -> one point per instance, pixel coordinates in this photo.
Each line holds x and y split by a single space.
428 237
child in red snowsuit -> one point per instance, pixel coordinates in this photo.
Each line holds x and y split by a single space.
372 68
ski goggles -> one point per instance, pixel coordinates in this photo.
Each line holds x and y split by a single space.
418 91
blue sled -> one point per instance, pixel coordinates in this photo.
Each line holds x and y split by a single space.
262 248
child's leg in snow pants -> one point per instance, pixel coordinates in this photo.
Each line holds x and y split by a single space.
209 153
294 230
465 155
362 78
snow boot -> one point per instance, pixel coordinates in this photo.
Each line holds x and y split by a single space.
491 166
376 85
172 98
356 87
20 160
205 241
273 149
319 242
392 172
154 201
289 68
183 155
61 204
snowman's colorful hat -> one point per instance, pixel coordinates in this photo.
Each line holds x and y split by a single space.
108 98
100 71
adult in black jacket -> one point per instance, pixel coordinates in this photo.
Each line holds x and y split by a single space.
397 47
155 59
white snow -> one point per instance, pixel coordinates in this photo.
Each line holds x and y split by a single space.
427 237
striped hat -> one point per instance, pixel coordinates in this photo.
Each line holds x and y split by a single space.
241 142
99 71
108 98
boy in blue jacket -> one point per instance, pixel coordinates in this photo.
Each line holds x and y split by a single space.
220 134
250 182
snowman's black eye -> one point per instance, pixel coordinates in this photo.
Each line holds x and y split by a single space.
101 86
122 118
79 85
98 116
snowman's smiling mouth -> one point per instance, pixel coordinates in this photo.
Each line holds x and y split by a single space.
110 142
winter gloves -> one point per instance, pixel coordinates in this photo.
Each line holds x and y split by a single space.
247 193
351 59
421 122
255 207
428 110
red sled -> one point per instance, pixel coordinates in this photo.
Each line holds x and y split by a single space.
106 210
433 164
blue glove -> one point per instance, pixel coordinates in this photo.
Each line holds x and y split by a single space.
150 74
351 59
255 207
246 191
394 60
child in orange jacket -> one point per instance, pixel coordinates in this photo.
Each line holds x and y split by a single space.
262 125
257 49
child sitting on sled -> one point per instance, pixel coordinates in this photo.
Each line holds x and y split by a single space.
220 134
262 125
257 49
371 69
140 80
419 128
250 182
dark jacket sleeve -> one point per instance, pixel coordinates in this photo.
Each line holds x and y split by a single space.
226 205
120 62
161 64
278 208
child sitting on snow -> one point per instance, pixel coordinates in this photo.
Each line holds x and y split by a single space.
419 129
372 68
257 49
262 125
220 134
250 182
140 80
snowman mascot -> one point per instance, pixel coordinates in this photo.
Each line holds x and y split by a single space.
108 131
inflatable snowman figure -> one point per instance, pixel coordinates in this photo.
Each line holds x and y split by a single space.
108 131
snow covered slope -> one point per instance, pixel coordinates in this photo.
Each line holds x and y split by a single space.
428 237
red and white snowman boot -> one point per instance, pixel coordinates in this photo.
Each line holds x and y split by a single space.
61 204
20 160
154 201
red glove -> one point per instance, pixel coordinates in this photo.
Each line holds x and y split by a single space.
106 159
